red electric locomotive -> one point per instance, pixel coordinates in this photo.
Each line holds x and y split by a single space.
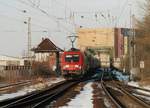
75 63
72 63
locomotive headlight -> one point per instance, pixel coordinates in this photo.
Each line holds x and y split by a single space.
77 66
66 66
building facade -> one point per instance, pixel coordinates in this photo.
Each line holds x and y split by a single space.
11 61
47 55
109 43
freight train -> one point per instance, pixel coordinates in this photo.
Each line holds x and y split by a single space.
75 63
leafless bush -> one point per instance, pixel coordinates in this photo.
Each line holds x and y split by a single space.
42 70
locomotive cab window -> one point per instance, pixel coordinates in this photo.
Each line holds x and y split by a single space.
75 58
72 58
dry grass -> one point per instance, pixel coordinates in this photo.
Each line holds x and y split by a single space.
145 82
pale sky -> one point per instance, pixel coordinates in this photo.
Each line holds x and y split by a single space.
56 19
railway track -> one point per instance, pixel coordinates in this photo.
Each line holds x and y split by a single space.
6 87
37 99
107 92
121 97
141 93
55 94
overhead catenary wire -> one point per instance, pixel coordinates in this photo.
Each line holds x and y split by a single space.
121 12
8 5
18 9
47 14
19 19
35 3
24 22
97 16
61 21
45 29
57 20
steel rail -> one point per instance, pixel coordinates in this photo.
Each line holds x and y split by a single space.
133 87
55 95
117 104
147 90
141 94
146 105
59 92
24 99
126 89
135 98
14 84
123 88
42 97
128 92
110 96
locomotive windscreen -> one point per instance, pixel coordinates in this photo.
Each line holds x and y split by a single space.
72 58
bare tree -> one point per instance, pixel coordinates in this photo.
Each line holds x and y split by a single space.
143 38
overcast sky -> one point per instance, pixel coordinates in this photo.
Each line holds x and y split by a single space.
56 19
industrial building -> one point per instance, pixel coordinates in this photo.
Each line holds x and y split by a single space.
11 61
109 43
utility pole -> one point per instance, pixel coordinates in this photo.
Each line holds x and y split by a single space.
133 68
29 39
130 42
133 41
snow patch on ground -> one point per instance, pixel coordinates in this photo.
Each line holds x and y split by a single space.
120 76
31 88
107 103
82 100
145 97
12 95
136 84
144 92
147 87
132 83
53 81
